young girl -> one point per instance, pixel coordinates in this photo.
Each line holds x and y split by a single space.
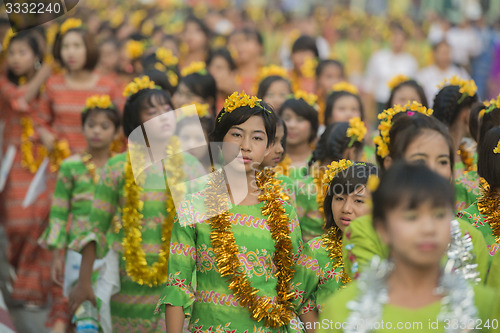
196 86
235 253
404 90
223 69
196 38
134 218
412 211
320 265
304 57
76 182
342 104
407 133
274 87
328 73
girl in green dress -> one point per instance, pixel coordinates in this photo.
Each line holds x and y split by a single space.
231 261
412 210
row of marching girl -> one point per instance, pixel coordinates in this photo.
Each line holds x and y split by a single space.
231 264
131 220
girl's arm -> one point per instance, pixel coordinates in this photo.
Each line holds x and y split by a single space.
33 87
83 291
174 318
310 317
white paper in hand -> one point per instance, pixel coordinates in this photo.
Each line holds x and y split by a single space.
6 165
38 184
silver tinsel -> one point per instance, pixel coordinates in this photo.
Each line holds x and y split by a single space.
461 259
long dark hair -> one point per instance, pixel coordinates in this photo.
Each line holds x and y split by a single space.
25 36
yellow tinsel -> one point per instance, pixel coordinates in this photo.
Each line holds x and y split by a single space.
345 86
71 23
226 250
332 240
356 131
194 67
60 152
28 160
310 98
488 204
98 101
138 84
135 258
397 80
91 167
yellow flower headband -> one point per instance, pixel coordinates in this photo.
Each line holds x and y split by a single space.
194 67
172 78
200 110
6 40
135 49
309 98
345 86
497 148
467 87
382 141
166 57
397 80
356 131
237 100
71 23
272 70
139 84
334 168
98 101
490 106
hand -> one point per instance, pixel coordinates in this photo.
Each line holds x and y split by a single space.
80 293
48 139
57 268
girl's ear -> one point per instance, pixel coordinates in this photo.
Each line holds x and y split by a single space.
387 162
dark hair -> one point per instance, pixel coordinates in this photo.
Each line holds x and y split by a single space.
329 62
281 123
405 129
435 46
488 163
249 33
202 85
30 39
346 182
305 43
223 53
476 108
487 122
446 106
137 102
242 114
302 109
410 83
160 78
112 114
265 84
332 99
410 185
91 50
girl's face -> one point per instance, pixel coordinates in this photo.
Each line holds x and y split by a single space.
220 70
20 58
194 36
172 46
247 143
431 149
348 207
276 150
344 109
419 236
158 121
299 128
404 95
109 55
330 75
298 58
247 48
73 51
98 130
184 96
277 93
193 140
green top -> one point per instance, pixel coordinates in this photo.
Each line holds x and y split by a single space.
494 274
71 204
211 305
466 190
361 243
423 319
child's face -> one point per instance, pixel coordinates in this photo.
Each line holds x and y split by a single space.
108 58
431 149
419 236
276 150
73 51
20 58
344 109
298 128
247 143
404 95
348 207
98 130
220 70
300 57
194 36
247 48
193 140
277 93
330 75
184 96
159 122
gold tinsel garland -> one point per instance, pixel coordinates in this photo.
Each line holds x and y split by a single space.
28 160
226 250
488 204
333 242
467 157
318 173
283 167
91 167
135 257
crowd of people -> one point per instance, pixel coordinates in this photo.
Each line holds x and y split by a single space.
217 168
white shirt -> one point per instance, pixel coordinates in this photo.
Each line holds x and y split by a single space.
431 76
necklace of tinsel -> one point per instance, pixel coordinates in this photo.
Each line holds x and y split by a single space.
333 242
317 173
135 257
28 160
457 304
226 249
461 259
488 204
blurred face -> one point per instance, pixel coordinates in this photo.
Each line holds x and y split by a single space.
20 58
247 143
276 150
171 45
277 93
193 140
398 40
344 109
331 75
348 207
194 37
220 70
73 51
109 55
184 96
431 149
158 121
247 48
299 128
404 95
299 58
419 236
442 56
98 130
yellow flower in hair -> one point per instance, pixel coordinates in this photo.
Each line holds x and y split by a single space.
116 18
51 33
148 27
237 100
490 105
334 168
201 110
137 18
71 23
172 78
194 67
466 87
272 70
356 131
166 57
345 86
98 101
397 80
6 40
310 98
308 68
160 66
135 49
497 148
373 183
137 85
